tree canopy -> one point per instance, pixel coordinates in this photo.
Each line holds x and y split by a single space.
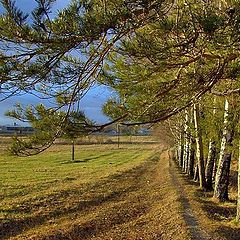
167 65
61 57
159 56
48 125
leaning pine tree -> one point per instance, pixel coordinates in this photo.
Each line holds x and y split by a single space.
48 125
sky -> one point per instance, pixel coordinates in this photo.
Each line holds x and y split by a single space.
92 102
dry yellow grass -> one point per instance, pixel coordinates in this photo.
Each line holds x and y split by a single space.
131 192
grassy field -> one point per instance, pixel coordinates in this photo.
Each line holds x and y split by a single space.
45 189
130 192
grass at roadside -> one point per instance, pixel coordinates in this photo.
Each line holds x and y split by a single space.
42 186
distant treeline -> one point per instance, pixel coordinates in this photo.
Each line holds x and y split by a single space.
16 130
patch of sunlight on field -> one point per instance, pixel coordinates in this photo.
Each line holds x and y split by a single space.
38 179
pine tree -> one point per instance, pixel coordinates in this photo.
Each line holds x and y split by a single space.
48 125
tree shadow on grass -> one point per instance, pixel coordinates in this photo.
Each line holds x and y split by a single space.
54 206
219 213
229 232
100 224
213 210
13 227
87 159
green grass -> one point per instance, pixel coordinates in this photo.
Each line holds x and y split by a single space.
28 183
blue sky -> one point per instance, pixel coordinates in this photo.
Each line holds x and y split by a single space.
92 102
28 5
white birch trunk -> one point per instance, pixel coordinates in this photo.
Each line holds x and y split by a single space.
210 164
199 147
224 138
211 160
186 142
191 159
222 174
180 150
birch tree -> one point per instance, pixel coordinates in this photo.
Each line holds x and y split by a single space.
211 160
192 158
199 147
223 169
186 143
192 145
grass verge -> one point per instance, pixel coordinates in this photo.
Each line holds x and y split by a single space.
46 191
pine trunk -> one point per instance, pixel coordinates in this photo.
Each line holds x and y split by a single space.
199 147
223 169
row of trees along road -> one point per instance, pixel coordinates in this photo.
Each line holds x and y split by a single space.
165 60
207 138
